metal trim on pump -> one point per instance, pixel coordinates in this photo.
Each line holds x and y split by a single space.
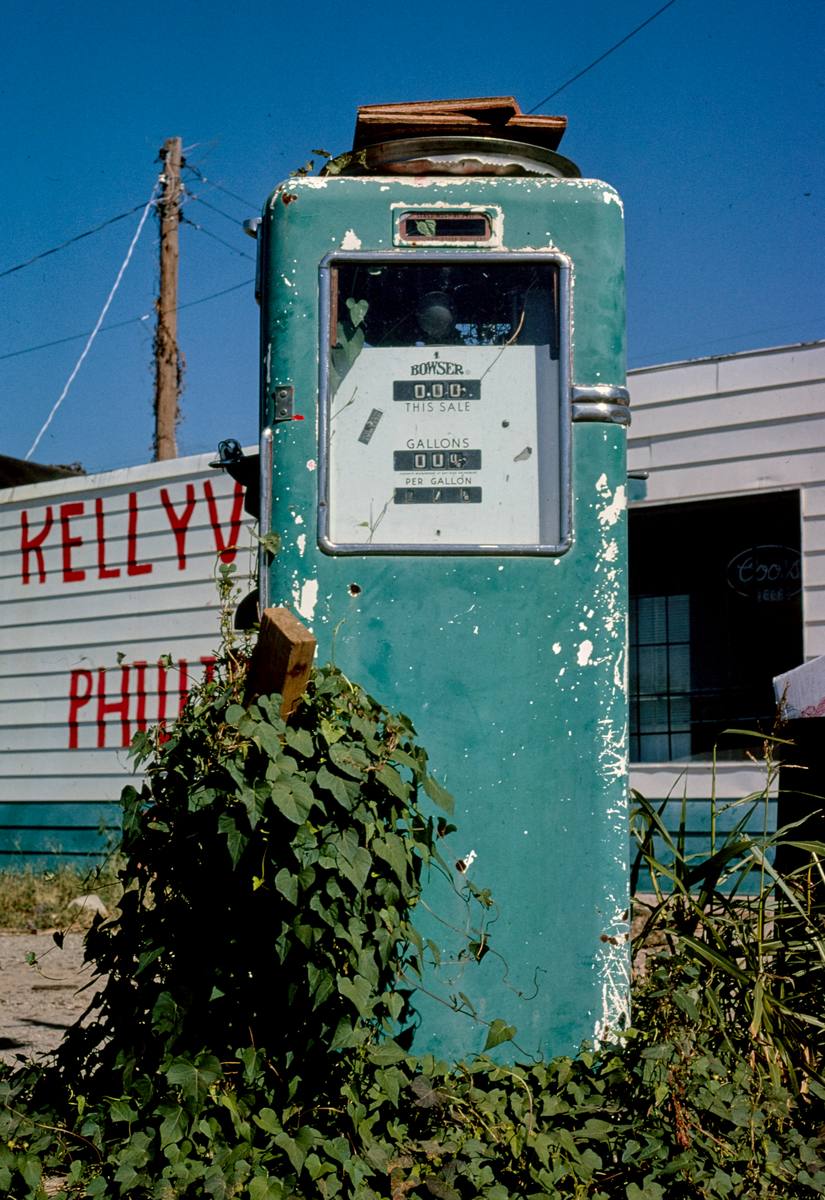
601 402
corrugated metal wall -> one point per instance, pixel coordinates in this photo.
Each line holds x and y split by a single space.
721 427
108 610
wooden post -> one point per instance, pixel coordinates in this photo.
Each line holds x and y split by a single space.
282 659
167 361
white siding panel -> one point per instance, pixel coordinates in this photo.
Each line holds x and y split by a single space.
19 663
100 578
757 410
736 372
813 569
726 478
777 369
813 498
671 383
813 534
696 781
745 443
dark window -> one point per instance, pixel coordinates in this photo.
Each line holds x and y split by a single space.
472 303
435 226
716 612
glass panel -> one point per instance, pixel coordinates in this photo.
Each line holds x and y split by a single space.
654 748
679 662
443 404
651 619
435 226
652 669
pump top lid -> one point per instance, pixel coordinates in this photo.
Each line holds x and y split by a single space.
485 135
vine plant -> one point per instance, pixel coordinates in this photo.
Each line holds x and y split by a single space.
251 1035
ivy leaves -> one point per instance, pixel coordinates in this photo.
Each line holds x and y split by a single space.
251 1039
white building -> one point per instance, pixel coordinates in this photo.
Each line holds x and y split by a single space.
108 613
727 562
108 602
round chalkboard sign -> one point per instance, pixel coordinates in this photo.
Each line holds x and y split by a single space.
766 574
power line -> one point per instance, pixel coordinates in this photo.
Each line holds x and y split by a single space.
77 238
655 356
75 337
98 324
214 208
602 57
226 191
214 236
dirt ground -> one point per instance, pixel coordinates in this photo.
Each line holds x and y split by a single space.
38 1003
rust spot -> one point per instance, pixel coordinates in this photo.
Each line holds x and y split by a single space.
288 197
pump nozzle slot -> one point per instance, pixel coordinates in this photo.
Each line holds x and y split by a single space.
244 469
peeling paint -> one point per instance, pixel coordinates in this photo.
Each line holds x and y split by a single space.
350 240
302 544
305 598
311 464
584 652
613 967
611 512
557 647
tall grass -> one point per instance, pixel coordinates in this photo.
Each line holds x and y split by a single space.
33 899
741 943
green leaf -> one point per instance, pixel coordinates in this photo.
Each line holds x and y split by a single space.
301 741
393 782
267 1120
357 310
499 1032
264 1188
121 1110
268 738
287 885
173 1128
235 840
387 1053
438 794
292 802
392 849
350 759
331 733
355 866
194 1078
358 992
335 784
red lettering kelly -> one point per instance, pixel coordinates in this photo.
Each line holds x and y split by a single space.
35 544
80 691
103 572
227 549
67 511
133 567
180 523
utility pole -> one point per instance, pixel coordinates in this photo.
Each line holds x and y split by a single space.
167 359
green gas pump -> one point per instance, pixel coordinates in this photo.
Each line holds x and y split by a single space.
443 417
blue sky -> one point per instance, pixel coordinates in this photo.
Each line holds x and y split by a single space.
709 122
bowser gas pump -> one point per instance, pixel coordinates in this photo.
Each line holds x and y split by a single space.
443 414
